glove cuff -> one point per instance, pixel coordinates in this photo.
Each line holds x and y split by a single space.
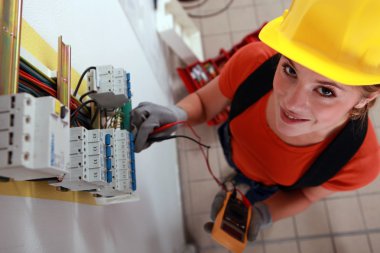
179 113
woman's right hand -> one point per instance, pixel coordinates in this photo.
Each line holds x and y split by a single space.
148 116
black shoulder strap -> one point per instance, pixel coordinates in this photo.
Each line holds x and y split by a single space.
337 153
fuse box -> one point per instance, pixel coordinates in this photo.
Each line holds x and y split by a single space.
33 137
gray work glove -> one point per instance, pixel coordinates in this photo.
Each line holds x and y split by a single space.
148 116
260 217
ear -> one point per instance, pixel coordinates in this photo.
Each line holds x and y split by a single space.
364 101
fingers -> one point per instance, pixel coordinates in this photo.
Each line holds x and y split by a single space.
217 204
141 138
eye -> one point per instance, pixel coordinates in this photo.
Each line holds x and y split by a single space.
326 92
289 70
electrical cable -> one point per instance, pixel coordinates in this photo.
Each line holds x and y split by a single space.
81 78
81 106
163 138
213 13
195 5
86 94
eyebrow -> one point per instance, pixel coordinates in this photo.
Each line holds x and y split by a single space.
318 81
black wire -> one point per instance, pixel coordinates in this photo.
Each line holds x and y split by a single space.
214 13
195 5
86 94
80 107
163 138
95 115
80 80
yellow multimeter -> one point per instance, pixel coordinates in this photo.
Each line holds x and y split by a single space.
231 224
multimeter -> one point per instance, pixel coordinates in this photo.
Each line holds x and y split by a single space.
232 222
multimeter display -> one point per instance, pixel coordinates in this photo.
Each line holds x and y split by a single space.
235 219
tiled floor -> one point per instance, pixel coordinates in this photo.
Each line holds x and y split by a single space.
343 223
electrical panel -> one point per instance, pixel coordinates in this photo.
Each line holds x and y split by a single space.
33 137
81 148
105 82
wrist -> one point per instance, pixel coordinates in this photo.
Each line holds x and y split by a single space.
179 113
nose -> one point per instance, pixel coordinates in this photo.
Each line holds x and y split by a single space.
296 97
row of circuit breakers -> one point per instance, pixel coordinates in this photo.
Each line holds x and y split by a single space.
37 142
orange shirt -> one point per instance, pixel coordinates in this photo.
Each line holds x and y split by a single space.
262 156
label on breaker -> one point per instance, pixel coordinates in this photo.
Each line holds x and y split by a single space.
77 147
122 174
93 148
123 185
95 161
94 175
93 135
77 161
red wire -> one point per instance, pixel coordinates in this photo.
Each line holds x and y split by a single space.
205 156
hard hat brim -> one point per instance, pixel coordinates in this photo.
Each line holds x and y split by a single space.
272 36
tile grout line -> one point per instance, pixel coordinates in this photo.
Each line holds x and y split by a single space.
364 221
296 234
329 225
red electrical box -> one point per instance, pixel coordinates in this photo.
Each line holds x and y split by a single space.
198 74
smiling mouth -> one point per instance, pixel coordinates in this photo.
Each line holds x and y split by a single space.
288 117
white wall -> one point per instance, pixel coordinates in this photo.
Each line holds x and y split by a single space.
99 33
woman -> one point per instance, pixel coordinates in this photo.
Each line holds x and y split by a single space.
324 80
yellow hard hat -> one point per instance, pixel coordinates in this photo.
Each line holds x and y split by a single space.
338 39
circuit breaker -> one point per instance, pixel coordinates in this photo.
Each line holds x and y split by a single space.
107 82
33 137
101 162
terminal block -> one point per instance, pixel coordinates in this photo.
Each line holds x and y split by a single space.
101 162
108 86
33 137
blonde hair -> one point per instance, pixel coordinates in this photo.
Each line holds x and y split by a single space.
361 113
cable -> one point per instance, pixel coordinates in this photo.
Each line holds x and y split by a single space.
195 5
81 78
86 94
81 106
163 138
214 13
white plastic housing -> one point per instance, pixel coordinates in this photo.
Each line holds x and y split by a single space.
33 137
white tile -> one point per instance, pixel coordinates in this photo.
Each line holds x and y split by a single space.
352 244
345 215
196 232
240 3
373 187
198 169
237 37
283 247
212 5
286 4
216 24
214 250
280 230
243 19
313 221
267 12
254 248
202 195
213 43
317 245
343 194
371 210
207 135
374 113
375 241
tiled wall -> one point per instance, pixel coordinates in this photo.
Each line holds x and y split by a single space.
343 223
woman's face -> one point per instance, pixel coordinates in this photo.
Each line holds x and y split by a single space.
308 103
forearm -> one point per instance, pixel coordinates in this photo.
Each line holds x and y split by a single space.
193 106
285 204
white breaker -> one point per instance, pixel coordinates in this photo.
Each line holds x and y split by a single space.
33 137
105 82
101 162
